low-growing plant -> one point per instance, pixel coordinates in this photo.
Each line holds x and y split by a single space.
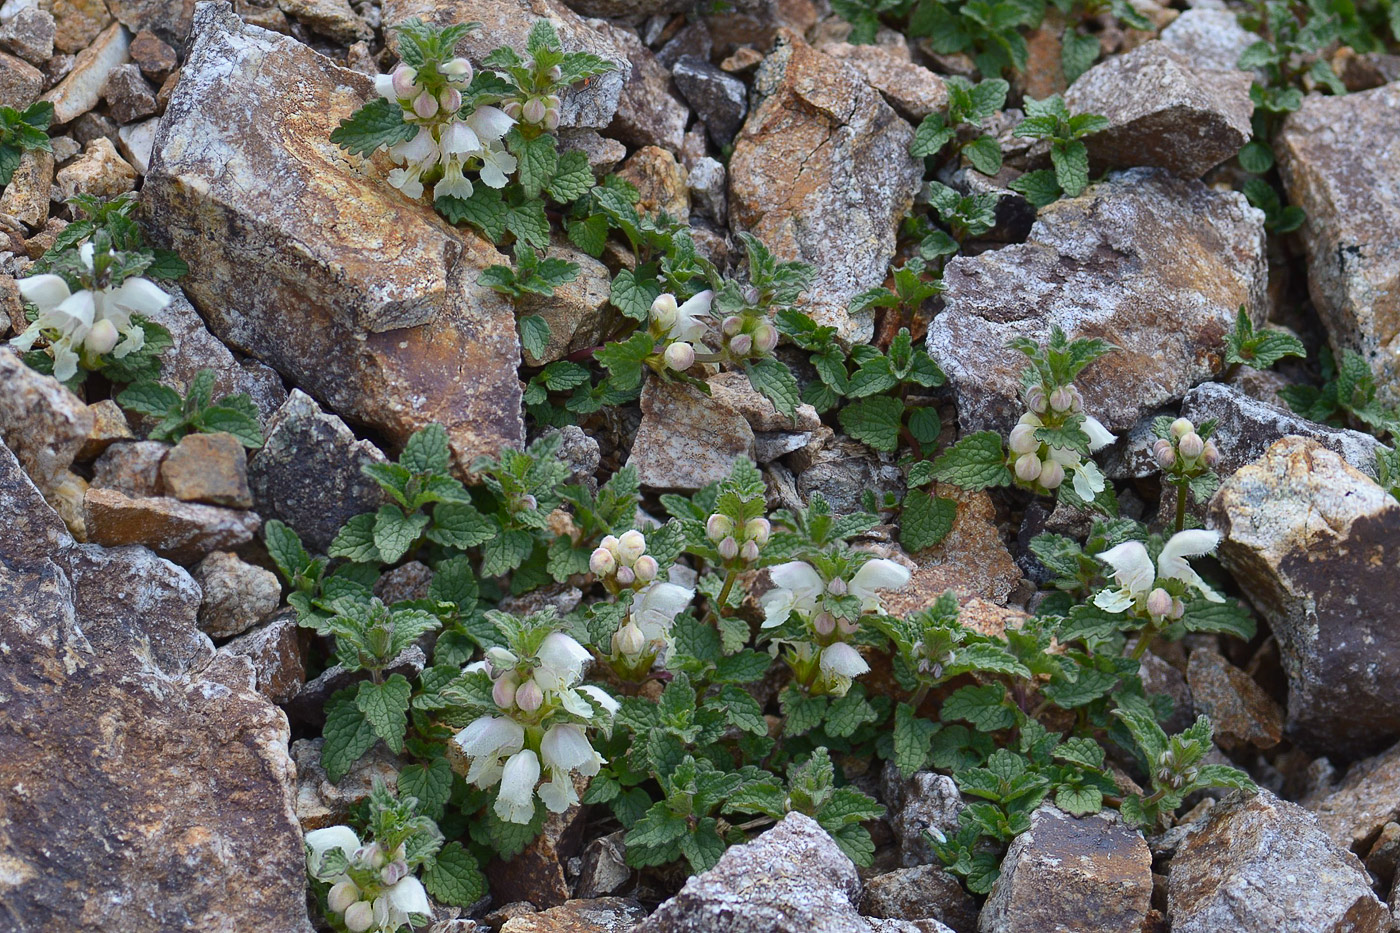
1050 120
198 412
969 107
21 133
1347 396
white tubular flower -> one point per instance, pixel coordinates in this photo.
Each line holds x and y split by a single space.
1134 573
453 183
878 574
516 801
496 166
458 138
796 588
689 325
601 697
657 605
404 897
487 741
321 841
490 123
566 749
1088 480
384 87
1099 436
1171 563
842 660
561 662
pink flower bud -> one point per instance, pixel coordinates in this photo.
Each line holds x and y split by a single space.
1028 468
824 623
680 356
529 697
646 568
503 692
1191 445
341 896
602 562
749 551
555 74
1178 608
765 337
451 99
626 576
1061 400
609 542
1035 400
630 546
729 548
718 527
456 68
425 105
1051 474
1023 439
758 530
359 917
837 587
1163 453
1211 455
403 78
1078 404
664 310
371 855
533 111
393 873
1181 426
552 101
731 325
1159 603
102 337
551 118
740 345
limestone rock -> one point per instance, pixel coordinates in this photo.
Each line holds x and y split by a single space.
181 531
274 649
40 420
1355 811
237 595
791 879
1163 110
972 560
921 892
598 915
77 22
660 182
1340 161
129 97
719 100
207 468
914 91
603 153
80 91
20 82
320 803
1067 874
926 800
155 58
1261 865
100 171
576 311
108 426
132 467
1155 264
822 173
26 197
649 113
1242 713
363 298
1208 38
686 440
842 470
168 20
333 18
708 181
603 867
136 141
29 34
308 472
1313 543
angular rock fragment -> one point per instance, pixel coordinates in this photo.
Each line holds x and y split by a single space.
1242 713
333 18
925 801
1315 545
128 96
1340 160
365 299
26 197
274 649
822 173
29 34
207 468
237 595
914 91
80 91
686 440
1163 110
972 560
925 891
108 426
99 172
1354 812
648 111
132 467
320 803
1261 865
20 82
1208 38
842 470
575 312
41 421
1155 264
719 100
596 915
181 531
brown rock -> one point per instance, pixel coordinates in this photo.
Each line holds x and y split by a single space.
1067 874
155 58
320 803
914 91
649 112
207 468
371 301
1315 545
660 181
80 90
237 595
67 498
128 96
131 467
40 420
78 22
536 874
821 173
333 18
920 892
99 171
29 34
971 560
1243 714
108 426
1353 812
841 470
686 440
274 649
1044 74
603 153
575 312
169 20
20 82
181 531
26 197
599 915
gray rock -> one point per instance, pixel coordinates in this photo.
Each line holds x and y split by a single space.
842 470
20 82
709 189
131 467
791 879
1340 160
237 595
822 173
649 113
1315 545
1067 874
719 99
321 803
1209 39
1163 110
308 472
580 452
687 440
603 867
575 312
363 298
29 34
129 98
595 915
1261 865
309 704
603 153
1353 812
912 89
1155 264
925 801
922 892
274 650
40 420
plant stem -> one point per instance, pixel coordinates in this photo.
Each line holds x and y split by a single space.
723 599
1180 506
1144 639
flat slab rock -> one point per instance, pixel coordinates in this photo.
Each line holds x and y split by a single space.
1156 264
306 258
1340 160
145 785
1315 545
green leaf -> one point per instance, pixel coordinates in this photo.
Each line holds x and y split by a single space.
395 532
1079 800
912 736
235 421
455 877
505 552
1071 161
703 847
355 540
1227 618
377 124
285 549
529 223
149 398
931 136
1077 54
875 421
746 667
484 210
534 335
431 784
925 520
633 296
1039 187
1256 157
985 707
572 177
348 735
848 713
538 161
510 839
589 234
984 154
385 708
459 525
427 451
977 461
774 381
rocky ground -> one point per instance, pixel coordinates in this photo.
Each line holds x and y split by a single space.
161 710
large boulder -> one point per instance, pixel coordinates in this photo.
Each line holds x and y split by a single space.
1315 545
1156 264
1340 160
306 258
145 785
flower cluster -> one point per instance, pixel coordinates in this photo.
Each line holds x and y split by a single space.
622 562
371 889
682 327
1042 465
827 608
1183 451
538 108
742 543
92 321
540 723
1156 593
644 636
451 140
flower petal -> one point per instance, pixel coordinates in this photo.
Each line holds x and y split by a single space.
1190 543
408 896
565 747
561 661
601 697
490 122
321 841
493 736
141 296
1132 568
516 801
1113 599
1099 436
46 291
879 574
843 660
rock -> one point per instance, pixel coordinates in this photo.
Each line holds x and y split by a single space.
603 153
1243 714
29 34
145 785
26 197
1261 865
91 125
99 171
333 18
1208 39
971 560
1067 874
660 181
842 470
320 803
925 801
1354 812
168 20
20 82
40 420
536 873
309 705
686 440
237 596
207 468
1314 545
180 531
822 173
79 92
1140 249
370 301
193 348
508 22
708 182
77 22
1163 111
719 100
405 582
135 141
274 649
648 111
914 91
918 893
791 879
128 96
131 467
1340 161
603 866
155 58
308 472
629 9
600 915
108 426
575 312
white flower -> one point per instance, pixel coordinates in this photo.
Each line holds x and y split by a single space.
496 166
487 741
842 660
1171 563
602 697
1135 575
1088 480
458 138
516 801
689 325
453 183
565 749
406 896
321 841
560 662
489 123
656 606
1099 435
878 574
796 588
